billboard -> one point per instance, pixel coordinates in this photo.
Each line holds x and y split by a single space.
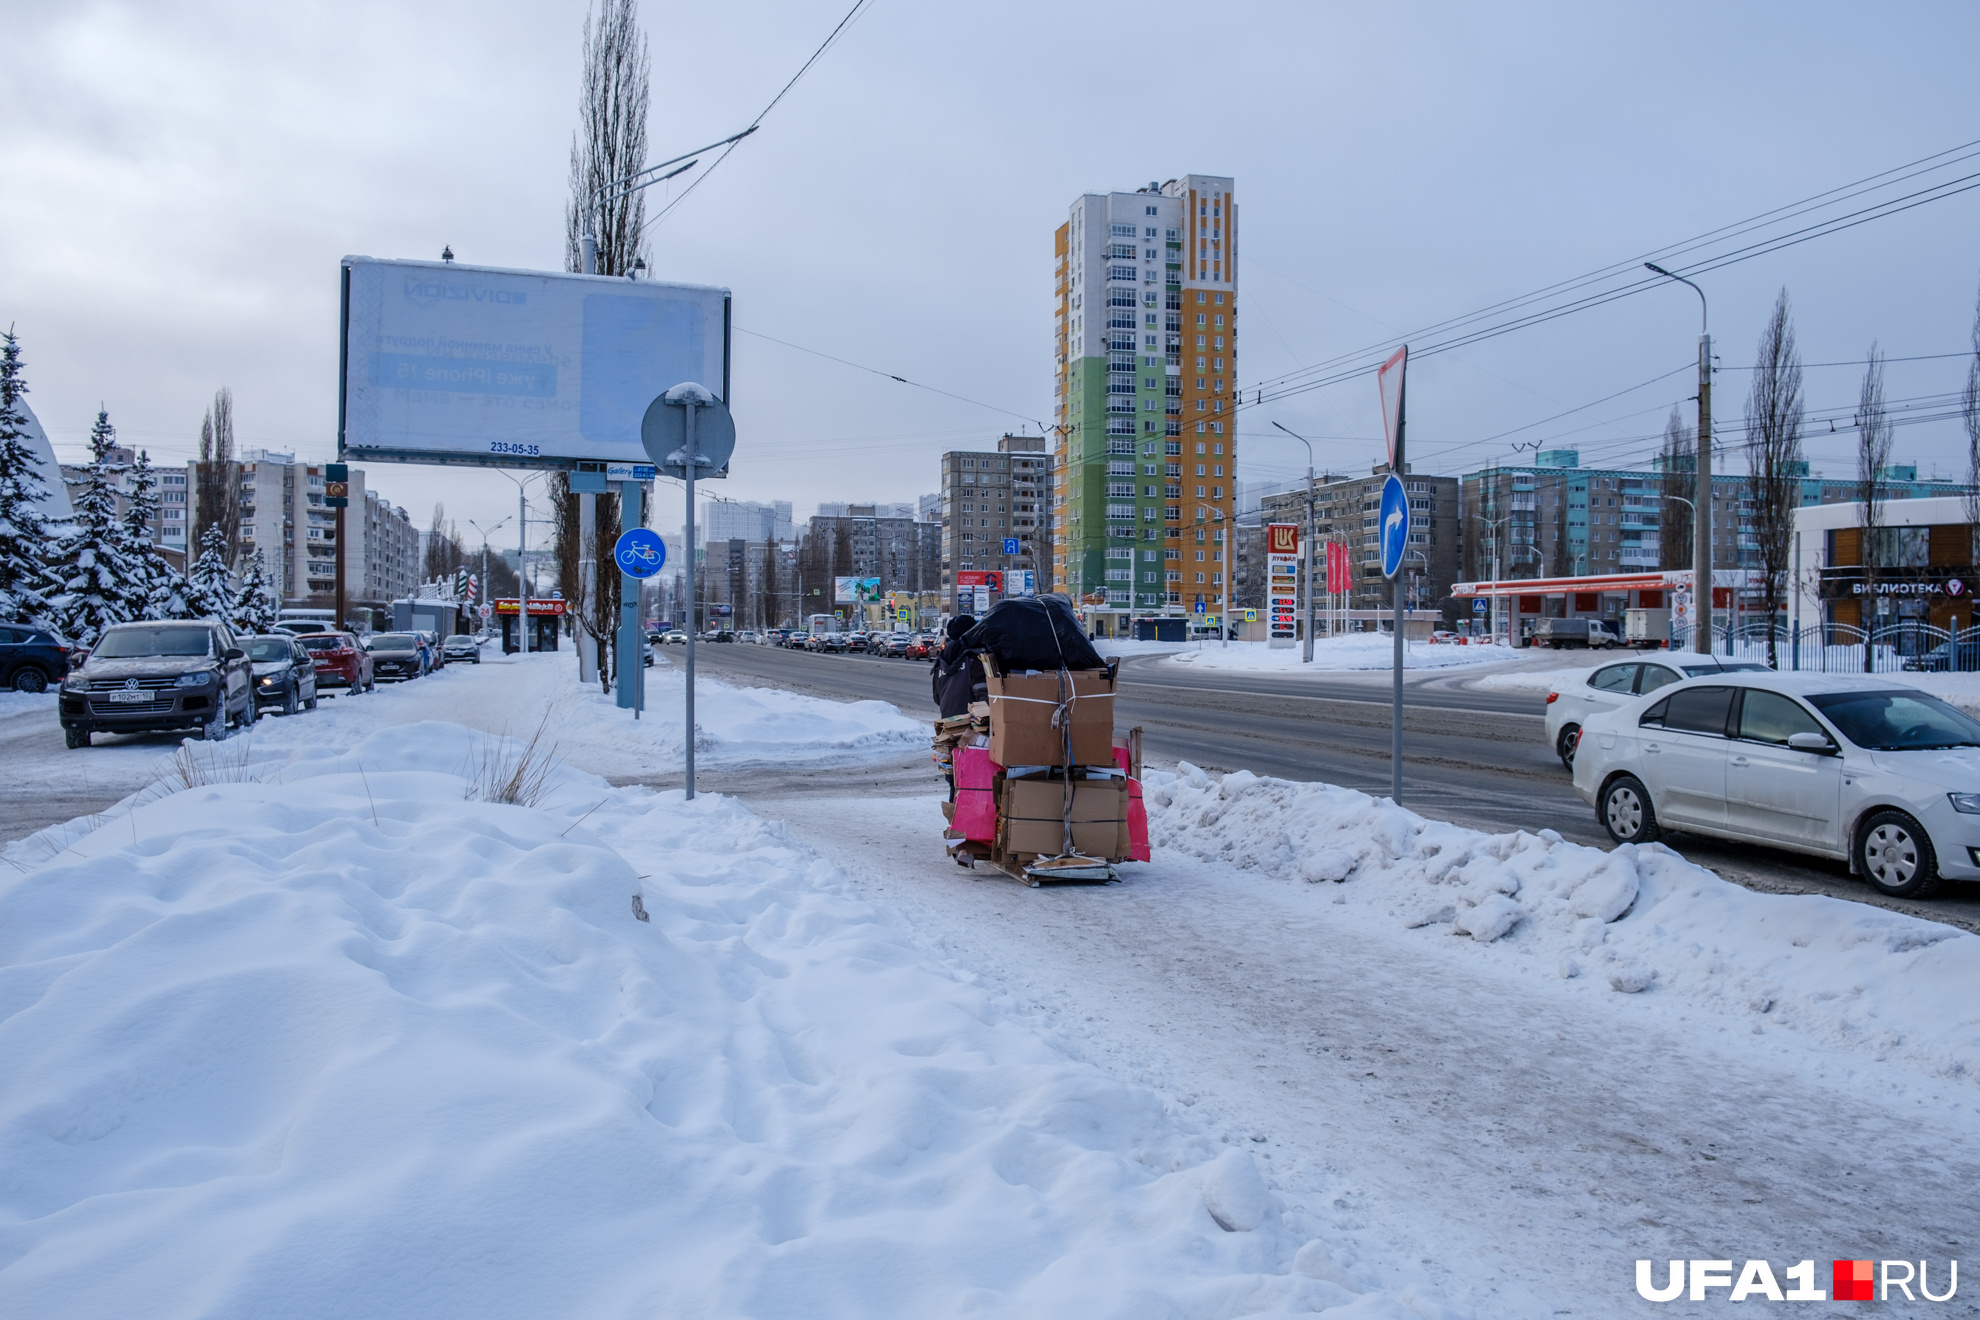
446 363
852 590
978 577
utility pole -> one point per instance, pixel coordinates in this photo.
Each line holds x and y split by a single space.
1701 519
487 589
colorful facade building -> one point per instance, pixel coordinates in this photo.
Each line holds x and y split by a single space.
1145 489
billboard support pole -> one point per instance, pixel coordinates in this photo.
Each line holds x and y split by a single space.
693 454
340 568
588 509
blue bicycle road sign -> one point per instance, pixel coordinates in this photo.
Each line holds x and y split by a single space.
640 552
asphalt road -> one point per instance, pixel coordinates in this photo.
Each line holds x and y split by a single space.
1474 757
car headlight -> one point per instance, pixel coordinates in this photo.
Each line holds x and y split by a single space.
75 683
1966 803
267 680
201 679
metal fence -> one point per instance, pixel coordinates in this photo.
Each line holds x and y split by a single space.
1907 645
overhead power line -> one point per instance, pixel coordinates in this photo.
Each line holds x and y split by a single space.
1624 278
844 23
888 375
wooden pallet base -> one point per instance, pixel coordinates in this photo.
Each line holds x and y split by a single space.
1033 871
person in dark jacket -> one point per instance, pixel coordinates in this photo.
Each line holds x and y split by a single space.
958 676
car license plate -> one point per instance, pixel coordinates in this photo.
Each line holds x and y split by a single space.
130 696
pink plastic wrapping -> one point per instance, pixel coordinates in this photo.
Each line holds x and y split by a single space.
976 805
1137 810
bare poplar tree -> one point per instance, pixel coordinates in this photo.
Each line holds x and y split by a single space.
1969 408
1677 463
1774 464
1873 456
610 145
611 142
216 496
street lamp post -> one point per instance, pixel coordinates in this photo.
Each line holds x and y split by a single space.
485 532
522 556
1306 560
1701 521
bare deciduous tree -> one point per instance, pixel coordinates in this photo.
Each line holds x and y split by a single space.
1677 463
1873 456
1969 407
216 504
1774 462
611 144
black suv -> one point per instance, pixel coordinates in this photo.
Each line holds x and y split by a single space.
152 677
31 659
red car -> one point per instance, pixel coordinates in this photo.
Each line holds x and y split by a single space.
340 661
923 646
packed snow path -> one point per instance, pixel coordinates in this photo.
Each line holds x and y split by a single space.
1523 1147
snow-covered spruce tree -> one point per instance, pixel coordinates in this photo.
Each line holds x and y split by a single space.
158 588
92 581
23 532
254 603
210 586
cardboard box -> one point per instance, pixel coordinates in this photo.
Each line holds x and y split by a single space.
1031 817
1029 712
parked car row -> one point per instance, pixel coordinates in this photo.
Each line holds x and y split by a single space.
1859 769
198 675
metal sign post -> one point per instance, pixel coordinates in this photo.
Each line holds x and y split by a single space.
688 433
1395 540
639 553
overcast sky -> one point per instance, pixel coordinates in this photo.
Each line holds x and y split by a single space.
181 179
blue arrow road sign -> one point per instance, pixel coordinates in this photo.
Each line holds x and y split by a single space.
640 552
1395 525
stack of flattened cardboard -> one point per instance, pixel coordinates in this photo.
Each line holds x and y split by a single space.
1059 789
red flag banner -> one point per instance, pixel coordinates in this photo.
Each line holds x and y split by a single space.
1390 379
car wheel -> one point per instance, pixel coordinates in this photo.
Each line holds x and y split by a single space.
75 738
1626 812
29 679
310 704
1565 745
215 730
291 702
1894 854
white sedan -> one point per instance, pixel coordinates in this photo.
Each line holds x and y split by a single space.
1568 707
1858 769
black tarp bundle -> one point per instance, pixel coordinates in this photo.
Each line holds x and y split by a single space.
1040 633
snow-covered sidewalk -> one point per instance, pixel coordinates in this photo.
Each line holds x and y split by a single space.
512 695
334 1030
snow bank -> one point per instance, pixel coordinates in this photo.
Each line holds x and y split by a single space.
1330 654
330 1032
1535 680
1638 919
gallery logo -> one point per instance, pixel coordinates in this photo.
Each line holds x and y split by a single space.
1849 1281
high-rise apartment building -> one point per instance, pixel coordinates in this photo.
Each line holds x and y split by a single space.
280 512
993 511
1146 340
